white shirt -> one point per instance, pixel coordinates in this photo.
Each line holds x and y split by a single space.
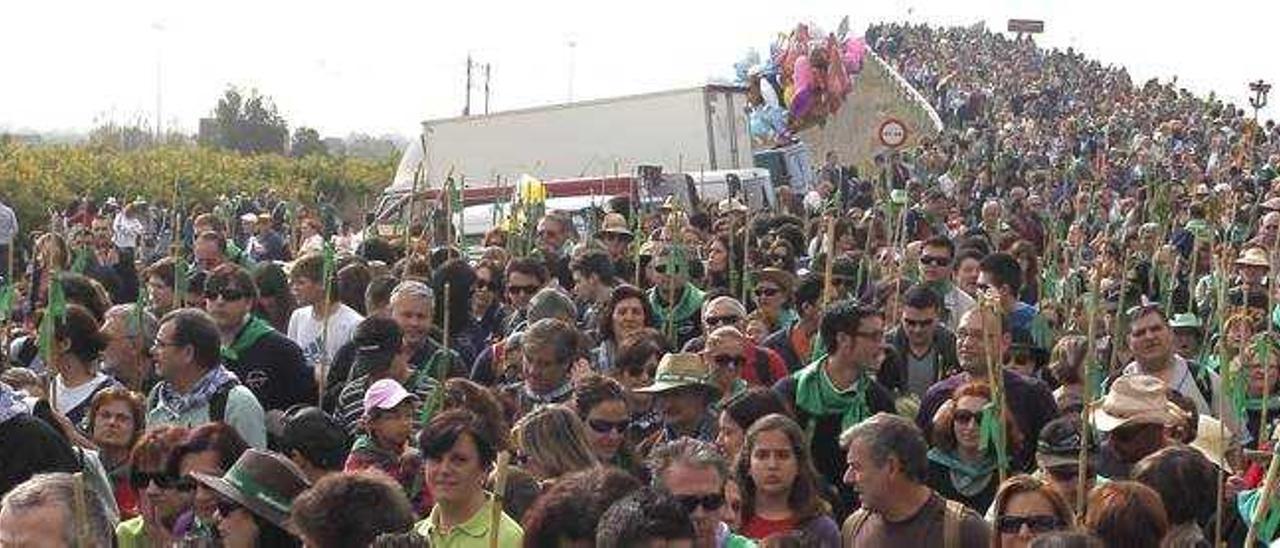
305 326
70 398
127 231
8 225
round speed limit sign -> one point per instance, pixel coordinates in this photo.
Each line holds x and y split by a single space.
893 133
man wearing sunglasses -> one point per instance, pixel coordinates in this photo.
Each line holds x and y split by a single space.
694 472
936 260
525 276
760 366
264 359
925 348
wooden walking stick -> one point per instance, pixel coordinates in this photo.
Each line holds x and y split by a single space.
499 488
1264 503
991 332
1090 363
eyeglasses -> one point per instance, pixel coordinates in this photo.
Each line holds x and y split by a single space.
764 291
482 285
1042 523
717 321
935 260
602 426
226 294
918 323
141 480
729 361
525 289
965 416
710 503
982 287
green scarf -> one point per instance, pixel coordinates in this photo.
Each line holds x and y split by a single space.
968 479
816 396
254 329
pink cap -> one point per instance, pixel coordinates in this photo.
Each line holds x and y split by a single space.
384 394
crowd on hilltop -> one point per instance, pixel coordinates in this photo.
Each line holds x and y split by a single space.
1050 325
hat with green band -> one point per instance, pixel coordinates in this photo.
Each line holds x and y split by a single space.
263 482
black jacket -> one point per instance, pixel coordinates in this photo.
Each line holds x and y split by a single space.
894 373
276 372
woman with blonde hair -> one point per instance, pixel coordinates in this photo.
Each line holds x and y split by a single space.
1026 507
551 441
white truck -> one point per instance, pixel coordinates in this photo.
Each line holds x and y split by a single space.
578 149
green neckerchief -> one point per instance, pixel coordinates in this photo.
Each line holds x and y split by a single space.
690 304
817 396
254 329
1247 504
972 470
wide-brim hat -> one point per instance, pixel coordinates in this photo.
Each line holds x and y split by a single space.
680 370
614 223
1254 256
264 483
1134 399
1213 440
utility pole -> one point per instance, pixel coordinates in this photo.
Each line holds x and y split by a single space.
572 45
487 66
466 109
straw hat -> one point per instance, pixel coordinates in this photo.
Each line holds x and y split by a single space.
1254 256
679 371
614 223
264 483
1133 399
1211 441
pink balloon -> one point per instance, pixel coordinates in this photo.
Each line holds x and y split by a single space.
803 74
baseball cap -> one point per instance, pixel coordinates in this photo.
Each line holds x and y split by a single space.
385 394
315 434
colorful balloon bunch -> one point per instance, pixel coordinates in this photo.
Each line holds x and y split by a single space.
807 78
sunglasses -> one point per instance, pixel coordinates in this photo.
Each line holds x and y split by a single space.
524 289
141 480
729 361
965 416
710 503
935 261
1042 523
226 294
602 426
717 321
767 291
482 285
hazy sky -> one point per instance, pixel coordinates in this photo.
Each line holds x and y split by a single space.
381 66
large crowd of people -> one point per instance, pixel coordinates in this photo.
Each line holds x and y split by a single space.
1051 325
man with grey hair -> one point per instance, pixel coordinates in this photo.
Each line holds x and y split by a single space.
694 472
550 350
412 306
56 509
888 466
127 357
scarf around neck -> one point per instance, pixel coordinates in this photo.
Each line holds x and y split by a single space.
968 478
253 330
175 403
817 396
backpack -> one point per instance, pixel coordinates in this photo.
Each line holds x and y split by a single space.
952 517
